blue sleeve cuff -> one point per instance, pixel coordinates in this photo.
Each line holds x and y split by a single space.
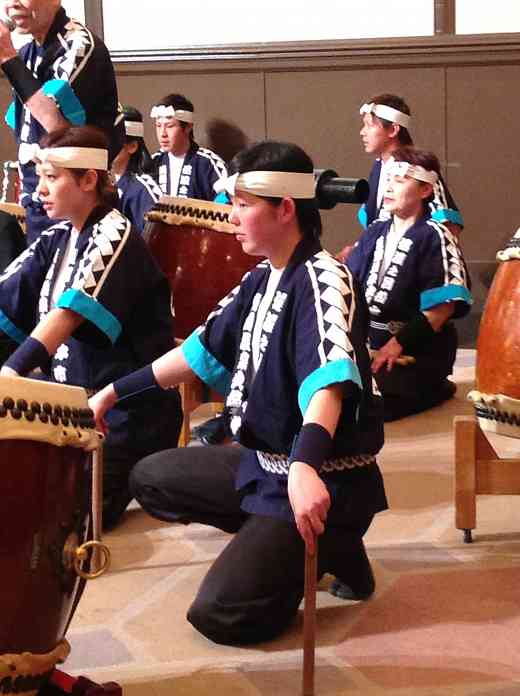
221 197
7 326
91 309
336 372
10 115
362 216
68 103
205 365
447 293
448 215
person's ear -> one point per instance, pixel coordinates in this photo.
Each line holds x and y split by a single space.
426 190
88 181
393 131
287 210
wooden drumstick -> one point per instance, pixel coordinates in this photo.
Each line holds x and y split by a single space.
97 501
309 619
402 360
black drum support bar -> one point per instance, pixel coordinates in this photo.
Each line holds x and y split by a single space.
332 189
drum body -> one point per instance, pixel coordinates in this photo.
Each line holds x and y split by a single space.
11 187
200 256
46 435
45 507
497 396
17 211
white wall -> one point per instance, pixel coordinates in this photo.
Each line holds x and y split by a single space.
170 24
479 17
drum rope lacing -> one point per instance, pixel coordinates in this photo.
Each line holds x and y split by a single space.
45 412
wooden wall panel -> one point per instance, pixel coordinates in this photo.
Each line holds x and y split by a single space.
7 144
320 111
483 135
233 99
461 91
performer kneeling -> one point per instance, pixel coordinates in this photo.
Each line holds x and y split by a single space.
88 303
289 347
415 281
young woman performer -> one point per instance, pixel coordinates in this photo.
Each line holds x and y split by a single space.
138 191
415 280
88 304
289 347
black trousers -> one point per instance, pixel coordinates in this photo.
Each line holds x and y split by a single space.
253 589
150 429
418 387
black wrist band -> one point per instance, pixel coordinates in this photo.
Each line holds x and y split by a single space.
312 446
415 333
29 354
21 78
135 383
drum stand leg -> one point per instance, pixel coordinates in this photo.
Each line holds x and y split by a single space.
97 503
309 620
478 470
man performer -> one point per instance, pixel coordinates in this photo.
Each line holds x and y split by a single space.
63 77
181 167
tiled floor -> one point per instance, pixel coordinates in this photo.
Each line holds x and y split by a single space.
445 618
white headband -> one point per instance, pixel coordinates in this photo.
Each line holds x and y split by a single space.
169 112
387 113
134 129
70 157
413 171
276 184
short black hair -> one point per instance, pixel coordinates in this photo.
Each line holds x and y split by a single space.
274 156
398 103
179 101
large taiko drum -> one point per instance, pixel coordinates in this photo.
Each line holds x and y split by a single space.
497 396
17 210
11 192
194 244
47 437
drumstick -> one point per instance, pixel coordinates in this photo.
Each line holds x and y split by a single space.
401 360
97 502
309 619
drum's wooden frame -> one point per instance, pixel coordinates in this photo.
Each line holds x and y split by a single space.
191 211
478 471
193 394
